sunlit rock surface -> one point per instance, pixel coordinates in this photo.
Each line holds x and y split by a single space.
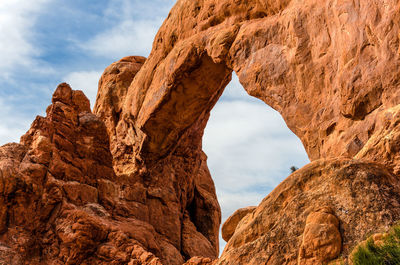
129 184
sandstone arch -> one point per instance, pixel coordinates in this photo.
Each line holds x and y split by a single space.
329 67
318 64
287 60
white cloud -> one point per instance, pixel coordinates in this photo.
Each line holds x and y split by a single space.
12 124
134 32
87 81
17 19
248 144
250 150
127 38
236 91
127 9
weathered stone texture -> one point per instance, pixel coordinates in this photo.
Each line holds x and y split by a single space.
129 184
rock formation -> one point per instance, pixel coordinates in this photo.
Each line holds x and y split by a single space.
229 227
361 197
175 194
322 241
129 184
62 203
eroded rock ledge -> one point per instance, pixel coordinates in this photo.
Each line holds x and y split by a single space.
129 184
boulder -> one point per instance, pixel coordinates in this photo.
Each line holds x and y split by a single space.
229 227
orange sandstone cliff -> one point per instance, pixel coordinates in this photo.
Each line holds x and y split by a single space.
129 183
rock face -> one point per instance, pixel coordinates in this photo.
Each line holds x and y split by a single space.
322 241
62 202
129 184
330 68
175 195
57 186
363 196
113 86
229 227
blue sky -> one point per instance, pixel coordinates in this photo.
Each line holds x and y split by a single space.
46 42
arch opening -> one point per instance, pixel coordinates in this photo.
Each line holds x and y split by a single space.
172 117
250 149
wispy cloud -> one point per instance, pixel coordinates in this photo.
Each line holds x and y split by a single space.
129 32
17 20
250 149
247 140
133 32
127 38
39 49
12 123
19 61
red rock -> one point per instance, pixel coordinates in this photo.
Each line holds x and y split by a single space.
129 184
80 193
229 227
199 261
183 216
317 63
63 203
113 86
322 241
363 197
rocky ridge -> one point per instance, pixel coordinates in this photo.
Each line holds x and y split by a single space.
63 203
129 184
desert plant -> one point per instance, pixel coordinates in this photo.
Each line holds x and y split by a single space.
387 252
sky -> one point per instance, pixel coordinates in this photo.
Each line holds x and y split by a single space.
45 42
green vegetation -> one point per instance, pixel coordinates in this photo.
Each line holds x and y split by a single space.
385 253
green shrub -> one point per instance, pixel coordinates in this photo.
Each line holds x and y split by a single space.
386 253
